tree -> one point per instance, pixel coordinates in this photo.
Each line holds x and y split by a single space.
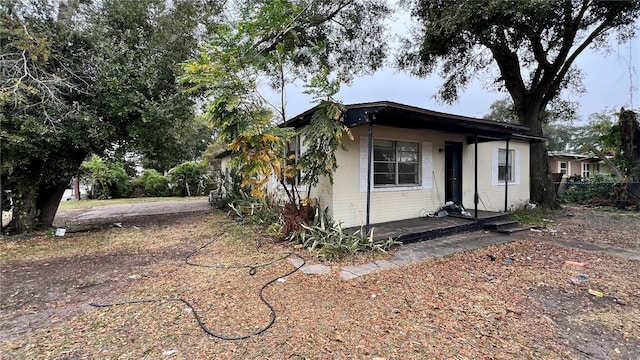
188 178
81 78
623 140
557 127
533 44
138 49
593 133
282 42
43 127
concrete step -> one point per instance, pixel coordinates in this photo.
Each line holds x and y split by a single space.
505 226
513 229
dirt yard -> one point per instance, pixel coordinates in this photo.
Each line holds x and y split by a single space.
518 300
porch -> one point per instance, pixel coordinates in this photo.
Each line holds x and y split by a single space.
426 228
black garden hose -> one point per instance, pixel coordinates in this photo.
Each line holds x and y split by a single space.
252 271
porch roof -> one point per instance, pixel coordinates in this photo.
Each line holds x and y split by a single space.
387 113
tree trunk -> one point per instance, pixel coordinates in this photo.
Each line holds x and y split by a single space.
542 189
630 142
24 212
48 202
35 209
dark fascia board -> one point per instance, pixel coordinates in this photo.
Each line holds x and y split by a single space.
387 113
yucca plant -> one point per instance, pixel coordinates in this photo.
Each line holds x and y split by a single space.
330 242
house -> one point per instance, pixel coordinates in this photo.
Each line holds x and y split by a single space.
575 166
406 162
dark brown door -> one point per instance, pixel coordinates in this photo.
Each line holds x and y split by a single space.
453 172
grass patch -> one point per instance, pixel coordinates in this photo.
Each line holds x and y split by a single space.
536 216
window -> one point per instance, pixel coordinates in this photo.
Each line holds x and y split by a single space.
505 169
292 153
564 167
395 163
586 170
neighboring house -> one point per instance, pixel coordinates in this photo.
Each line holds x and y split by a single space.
576 166
406 162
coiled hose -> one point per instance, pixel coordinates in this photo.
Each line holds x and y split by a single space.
252 271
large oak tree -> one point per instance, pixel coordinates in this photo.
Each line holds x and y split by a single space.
533 44
81 77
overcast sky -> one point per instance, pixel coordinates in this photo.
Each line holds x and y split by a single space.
611 81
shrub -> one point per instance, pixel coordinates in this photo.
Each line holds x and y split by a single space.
189 179
331 242
254 211
598 186
227 189
108 179
151 183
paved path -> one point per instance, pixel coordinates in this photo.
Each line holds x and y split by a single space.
449 245
609 250
416 252
123 211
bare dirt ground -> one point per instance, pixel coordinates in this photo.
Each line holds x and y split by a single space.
46 289
518 300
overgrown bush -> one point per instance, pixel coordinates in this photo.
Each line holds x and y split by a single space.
189 179
227 189
330 242
598 186
151 183
108 179
264 211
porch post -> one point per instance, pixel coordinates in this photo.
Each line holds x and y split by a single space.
369 170
475 193
506 178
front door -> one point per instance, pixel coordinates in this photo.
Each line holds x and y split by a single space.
453 171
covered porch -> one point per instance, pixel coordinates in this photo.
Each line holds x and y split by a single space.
425 228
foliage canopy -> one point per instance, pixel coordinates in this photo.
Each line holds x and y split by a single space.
528 47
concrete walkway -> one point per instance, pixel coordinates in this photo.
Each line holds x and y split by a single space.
609 250
445 246
415 252
121 212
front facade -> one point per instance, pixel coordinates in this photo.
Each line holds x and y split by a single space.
405 162
576 166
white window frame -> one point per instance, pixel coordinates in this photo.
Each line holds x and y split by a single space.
396 163
586 170
565 170
426 168
517 160
508 164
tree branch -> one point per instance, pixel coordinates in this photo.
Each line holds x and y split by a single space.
553 77
313 22
554 85
538 51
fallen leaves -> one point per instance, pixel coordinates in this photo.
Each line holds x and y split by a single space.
462 306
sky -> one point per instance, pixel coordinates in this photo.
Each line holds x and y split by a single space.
610 80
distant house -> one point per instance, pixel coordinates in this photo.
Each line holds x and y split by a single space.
576 166
406 162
